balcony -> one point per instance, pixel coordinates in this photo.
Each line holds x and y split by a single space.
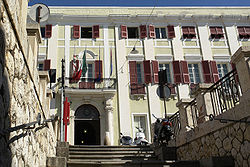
90 86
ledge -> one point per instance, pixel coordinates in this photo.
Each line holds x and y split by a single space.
242 52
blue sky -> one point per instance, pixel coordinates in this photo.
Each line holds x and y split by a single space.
142 2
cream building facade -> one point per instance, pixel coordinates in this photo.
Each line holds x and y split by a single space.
119 90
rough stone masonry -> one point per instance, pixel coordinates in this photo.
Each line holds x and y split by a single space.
20 101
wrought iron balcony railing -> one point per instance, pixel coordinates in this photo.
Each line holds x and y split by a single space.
176 125
91 83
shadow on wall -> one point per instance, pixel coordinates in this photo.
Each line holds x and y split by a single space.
5 152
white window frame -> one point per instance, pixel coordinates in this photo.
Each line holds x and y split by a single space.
199 69
185 39
148 136
221 64
170 69
217 40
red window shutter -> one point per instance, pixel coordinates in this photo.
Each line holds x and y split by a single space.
133 72
171 33
76 31
143 31
133 77
241 32
95 31
124 33
46 65
185 31
206 72
214 70
155 71
191 30
177 72
140 89
98 69
185 73
247 30
172 88
219 30
147 71
48 31
151 31
213 30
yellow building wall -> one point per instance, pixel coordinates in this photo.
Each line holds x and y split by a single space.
167 51
191 51
245 43
61 32
220 51
111 31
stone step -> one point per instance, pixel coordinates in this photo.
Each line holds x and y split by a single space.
103 157
109 148
188 163
100 152
119 163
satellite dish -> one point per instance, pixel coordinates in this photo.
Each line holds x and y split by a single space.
166 90
39 12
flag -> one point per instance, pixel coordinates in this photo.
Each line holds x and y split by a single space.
84 65
98 79
77 71
111 65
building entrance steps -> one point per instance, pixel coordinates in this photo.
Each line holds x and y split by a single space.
114 156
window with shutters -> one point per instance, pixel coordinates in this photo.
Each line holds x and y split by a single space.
244 32
222 69
42 29
40 66
160 33
194 73
188 32
133 32
216 32
140 72
86 32
167 68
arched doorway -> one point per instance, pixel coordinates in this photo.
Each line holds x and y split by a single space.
87 125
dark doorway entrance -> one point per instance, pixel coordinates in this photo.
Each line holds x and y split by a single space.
87 125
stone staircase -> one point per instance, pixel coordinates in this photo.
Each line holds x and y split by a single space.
114 156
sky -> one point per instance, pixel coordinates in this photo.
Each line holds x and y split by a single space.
142 2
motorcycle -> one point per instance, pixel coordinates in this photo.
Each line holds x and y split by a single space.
125 140
162 130
140 138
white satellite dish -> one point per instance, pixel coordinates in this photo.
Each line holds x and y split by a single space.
39 12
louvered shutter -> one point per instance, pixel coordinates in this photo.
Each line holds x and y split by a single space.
76 31
95 31
191 30
213 31
133 77
48 31
143 31
177 72
147 71
214 71
219 30
151 31
46 65
140 89
171 33
206 72
98 69
184 71
247 30
172 88
124 33
241 32
155 71
185 31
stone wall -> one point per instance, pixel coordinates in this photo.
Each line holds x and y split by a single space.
233 140
20 101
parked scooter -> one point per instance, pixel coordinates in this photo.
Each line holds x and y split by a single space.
162 130
125 140
140 138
